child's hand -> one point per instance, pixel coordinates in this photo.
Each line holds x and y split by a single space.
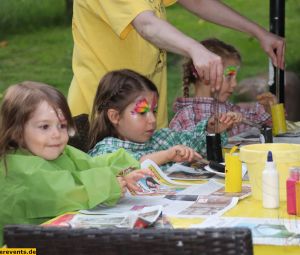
132 178
226 120
267 99
237 117
122 183
181 153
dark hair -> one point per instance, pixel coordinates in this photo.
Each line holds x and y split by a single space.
19 103
225 51
116 90
152 180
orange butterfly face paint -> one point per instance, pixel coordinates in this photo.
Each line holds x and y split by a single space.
142 106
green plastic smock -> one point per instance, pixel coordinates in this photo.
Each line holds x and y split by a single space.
34 190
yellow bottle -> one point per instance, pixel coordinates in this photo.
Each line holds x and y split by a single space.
233 171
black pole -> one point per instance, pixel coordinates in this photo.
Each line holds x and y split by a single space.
277 24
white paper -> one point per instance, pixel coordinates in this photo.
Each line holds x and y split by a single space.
267 231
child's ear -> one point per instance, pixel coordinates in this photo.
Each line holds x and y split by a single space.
113 115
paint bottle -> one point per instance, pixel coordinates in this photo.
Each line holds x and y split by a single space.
298 198
294 175
270 184
233 171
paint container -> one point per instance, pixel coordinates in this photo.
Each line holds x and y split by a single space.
233 171
294 176
298 198
214 148
266 135
254 155
278 119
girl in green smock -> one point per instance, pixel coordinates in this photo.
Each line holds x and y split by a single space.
41 176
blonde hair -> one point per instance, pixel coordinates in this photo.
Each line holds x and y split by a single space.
225 51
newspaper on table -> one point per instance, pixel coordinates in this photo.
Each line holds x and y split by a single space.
265 231
142 218
188 173
176 199
160 184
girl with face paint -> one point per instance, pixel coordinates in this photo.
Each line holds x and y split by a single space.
124 116
190 110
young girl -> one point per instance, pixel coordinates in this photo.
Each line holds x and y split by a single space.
41 177
123 116
190 110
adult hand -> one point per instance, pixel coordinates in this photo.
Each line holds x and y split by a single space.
274 46
209 67
165 36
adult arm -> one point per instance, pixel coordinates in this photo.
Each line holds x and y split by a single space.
165 36
210 10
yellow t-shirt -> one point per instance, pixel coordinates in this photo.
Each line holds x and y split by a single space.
105 40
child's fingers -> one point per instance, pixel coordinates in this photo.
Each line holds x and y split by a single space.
181 152
226 118
145 172
190 155
197 156
185 153
122 183
134 187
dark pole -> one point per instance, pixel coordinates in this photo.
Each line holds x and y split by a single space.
277 23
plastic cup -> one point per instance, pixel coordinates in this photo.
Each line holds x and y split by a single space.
278 119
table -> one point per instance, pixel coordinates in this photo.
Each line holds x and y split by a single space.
250 207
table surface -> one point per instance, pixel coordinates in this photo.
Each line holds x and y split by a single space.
252 208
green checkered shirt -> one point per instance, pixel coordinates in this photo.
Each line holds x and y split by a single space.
162 139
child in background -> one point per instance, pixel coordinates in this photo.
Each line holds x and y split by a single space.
41 177
190 110
124 116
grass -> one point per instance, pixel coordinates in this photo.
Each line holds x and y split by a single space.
35 43
20 16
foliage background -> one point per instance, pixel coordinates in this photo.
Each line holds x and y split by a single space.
36 41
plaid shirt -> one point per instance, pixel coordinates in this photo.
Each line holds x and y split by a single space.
162 139
189 111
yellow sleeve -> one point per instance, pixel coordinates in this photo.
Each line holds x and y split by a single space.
120 13
169 2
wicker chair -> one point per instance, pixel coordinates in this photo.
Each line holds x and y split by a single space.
80 140
58 240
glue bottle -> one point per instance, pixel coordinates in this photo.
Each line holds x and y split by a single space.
270 184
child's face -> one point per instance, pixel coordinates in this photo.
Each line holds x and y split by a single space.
45 133
229 80
138 122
